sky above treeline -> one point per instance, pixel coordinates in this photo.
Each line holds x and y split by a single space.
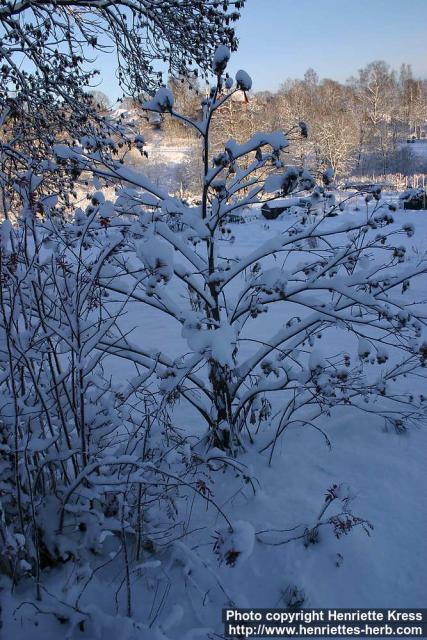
281 39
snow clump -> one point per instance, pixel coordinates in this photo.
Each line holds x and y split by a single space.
235 545
220 60
243 80
162 101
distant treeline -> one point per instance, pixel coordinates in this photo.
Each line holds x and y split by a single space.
357 127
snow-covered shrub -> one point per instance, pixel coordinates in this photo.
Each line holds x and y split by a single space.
96 471
349 276
93 472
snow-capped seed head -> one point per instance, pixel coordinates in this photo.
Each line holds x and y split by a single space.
376 192
162 101
306 180
303 127
164 98
139 141
409 229
221 160
423 351
220 60
328 176
364 348
243 80
382 355
236 545
97 198
285 183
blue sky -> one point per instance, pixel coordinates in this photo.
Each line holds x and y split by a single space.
280 39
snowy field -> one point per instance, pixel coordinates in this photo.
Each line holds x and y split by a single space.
183 588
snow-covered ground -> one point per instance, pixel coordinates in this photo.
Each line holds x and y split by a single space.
168 165
419 148
184 589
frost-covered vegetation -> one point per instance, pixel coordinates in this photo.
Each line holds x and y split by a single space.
191 399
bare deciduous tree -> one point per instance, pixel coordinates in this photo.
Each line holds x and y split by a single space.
46 60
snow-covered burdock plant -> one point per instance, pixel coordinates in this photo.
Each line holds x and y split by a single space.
322 275
96 469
